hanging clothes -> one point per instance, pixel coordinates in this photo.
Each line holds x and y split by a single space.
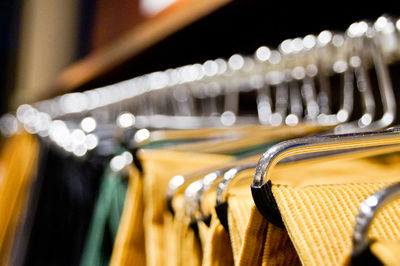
105 220
18 162
159 167
65 201
319 216
129 248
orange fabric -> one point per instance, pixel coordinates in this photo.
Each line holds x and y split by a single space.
254 239
278 248
217 250
159 167
18 162
129 248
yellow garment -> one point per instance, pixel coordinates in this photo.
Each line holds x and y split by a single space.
388 252
217 250
18 162
320 218
247 230
215 241
239 208
216 141
190 249
171 237
234 131
254 240
203 232
159 167
129 248
183 246
241 138
278 248
218 241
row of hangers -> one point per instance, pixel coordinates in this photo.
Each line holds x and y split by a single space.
293 85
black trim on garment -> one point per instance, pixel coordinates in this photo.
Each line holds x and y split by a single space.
222 214
365 257
266 204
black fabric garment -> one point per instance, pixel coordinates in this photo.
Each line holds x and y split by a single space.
65 202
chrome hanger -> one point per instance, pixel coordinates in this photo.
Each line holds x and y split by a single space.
342 115
261 190
369 36
180 182
369 208
195 196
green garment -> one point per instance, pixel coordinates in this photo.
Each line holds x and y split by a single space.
105 220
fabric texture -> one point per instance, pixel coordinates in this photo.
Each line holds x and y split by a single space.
159 167
278 248
129 248
320 219
217 249
183 243
254 240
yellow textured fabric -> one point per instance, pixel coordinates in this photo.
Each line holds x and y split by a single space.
214 239
266 244
204 231
239 208
388 252
159 167
240 203
181 239
254 240
320 219
129 248
183 246
278 248
171 237
18 164
173 231
190 252
217 250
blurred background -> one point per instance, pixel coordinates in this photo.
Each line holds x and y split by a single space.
49 47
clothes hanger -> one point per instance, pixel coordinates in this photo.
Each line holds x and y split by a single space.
263 54
369 208
261 191
369 36
99 103
75 104
230 175
266 161
108 96
194 192
274 78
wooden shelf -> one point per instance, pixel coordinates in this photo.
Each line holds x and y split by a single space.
140 38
